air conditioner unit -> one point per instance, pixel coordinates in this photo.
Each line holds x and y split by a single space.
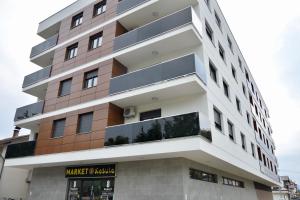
129 112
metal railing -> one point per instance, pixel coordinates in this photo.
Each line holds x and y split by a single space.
37 76
126 5
20 150
29 111
44 46
179 67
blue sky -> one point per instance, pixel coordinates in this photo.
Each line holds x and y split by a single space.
268 33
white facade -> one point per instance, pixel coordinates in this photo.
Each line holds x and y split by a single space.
179 96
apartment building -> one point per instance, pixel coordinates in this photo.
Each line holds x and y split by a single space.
143 99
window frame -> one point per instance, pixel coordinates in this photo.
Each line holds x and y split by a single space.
78 17
209 32
222 52
98 37
218 20
150 115
80 116
203 176
243 141
94 79
103 5
219 127
213 68
226 89
71 51
61 85
230 124
54 126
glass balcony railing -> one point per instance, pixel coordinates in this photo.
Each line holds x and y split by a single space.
37 76
153 29
183 66
44 46
126 5
20 150
29 111
157 129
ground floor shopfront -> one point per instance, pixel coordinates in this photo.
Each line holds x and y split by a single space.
165 179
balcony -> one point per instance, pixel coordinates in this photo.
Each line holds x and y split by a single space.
37 76
20 150
153 29
126 5
186 125
29 111
268 172
41 54
173 69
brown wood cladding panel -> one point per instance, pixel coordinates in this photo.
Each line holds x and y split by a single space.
89 21
115 115
71 141
118 69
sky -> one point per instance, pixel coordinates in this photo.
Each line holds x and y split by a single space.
268 34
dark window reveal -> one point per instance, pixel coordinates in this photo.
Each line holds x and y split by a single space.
226 88
71 51
150 115
77 20
218 119
95 41
213 72
65 87
203 176
85 122
243 140
209 32
58 128
221 52
99 8
90 79
231 130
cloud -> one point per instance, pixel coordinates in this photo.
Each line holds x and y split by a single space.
289 58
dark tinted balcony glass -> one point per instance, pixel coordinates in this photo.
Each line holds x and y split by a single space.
153 29
126 5
169 70
20 150
29 111
44 46
157 129
37 76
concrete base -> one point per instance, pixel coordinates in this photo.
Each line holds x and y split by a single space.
166 179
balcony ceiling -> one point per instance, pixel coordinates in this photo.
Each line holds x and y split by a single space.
187 39
154 11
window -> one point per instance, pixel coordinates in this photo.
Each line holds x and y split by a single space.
232 182
203 176
230 44
240 63
247 76
58 128
272 149
233 71
259 153
91 188
255 125
90 79
275 169
213 72
218 119
238 105
264 159
218 20
95 41
85 122
226 88
209 32
230 130
260 134
71 51
253 149
221 52
65 87
77 20
251 99
243 140
99 8
207 3
252 87
248 119
244 89
150 115
267 143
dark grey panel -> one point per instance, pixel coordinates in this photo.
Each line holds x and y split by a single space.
44 46
153 29
20 150
29 111
126 5
158 129
169 70
37 76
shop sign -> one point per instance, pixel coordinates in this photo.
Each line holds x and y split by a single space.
90 171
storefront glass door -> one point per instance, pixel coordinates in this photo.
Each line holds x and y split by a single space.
91 189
